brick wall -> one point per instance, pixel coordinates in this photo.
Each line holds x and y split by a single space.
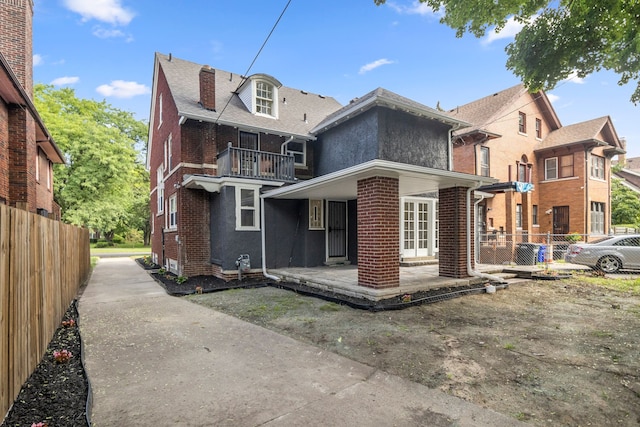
22 155
453 233
378 232
16 37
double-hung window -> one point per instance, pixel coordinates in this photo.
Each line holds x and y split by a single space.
173 212
299 151
597 167
518 215
247 208
551 168
264 98
522 122
538 128
484 161
597 217
558 167
160 190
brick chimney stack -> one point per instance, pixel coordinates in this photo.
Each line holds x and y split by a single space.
622 158
16 39
208 88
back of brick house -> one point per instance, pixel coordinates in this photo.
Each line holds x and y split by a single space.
245 166
552 179
27 151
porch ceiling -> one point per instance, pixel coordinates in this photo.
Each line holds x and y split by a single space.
413 180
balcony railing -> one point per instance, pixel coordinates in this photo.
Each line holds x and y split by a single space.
244 163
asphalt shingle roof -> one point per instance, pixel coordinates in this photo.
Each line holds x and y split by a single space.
184 83
484 111
575 133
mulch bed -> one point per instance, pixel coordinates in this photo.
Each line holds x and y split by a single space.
55 394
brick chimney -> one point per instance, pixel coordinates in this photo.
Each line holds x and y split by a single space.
208 87
16 39
622 158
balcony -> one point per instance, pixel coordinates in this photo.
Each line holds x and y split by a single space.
244 163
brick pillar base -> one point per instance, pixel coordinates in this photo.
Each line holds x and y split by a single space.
452 242
378 233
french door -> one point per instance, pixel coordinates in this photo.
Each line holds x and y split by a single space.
419 228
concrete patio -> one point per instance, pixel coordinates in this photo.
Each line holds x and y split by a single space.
343 279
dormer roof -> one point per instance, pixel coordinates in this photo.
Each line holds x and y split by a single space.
298 111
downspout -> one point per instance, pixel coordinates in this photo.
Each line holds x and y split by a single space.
477 238
263 239
284 144
471 271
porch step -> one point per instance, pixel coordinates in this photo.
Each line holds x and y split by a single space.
414 262
336 263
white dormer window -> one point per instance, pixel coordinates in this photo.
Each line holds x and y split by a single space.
259 93
264 98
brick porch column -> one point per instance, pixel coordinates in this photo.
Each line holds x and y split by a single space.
452 242
378 232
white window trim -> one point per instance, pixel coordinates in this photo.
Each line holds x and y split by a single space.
172 217
546 169
160 111
160 190
274 100
314 225
256 208
303 152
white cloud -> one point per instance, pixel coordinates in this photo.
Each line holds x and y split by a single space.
416 8
511 28
573 78
373 65
110 11
61 81
37 60
107 34
552 98
122 89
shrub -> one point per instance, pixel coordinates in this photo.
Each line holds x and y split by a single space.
102 244
117 239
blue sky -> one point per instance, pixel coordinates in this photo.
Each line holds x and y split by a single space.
104 50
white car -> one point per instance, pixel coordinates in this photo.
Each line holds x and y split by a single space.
609 254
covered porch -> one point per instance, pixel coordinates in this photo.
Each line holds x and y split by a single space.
377 187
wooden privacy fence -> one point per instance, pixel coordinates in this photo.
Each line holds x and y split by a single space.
43 263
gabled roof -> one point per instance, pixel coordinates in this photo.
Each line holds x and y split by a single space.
298 111
385 98
598 131
12 92
485 111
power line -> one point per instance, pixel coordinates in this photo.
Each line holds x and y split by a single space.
242 80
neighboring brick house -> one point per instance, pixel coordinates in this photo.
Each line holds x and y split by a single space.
552 178
244 165
27 151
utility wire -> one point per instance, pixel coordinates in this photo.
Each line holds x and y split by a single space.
242 80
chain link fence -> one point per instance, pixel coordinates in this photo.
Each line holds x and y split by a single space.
531 249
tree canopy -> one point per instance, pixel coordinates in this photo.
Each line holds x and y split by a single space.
559 37
100 185
625 204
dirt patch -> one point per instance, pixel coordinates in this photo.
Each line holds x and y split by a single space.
547 353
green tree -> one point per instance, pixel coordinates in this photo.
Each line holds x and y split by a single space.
559 37
99 186
625 204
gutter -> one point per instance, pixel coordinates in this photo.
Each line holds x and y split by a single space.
263 240
471 271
